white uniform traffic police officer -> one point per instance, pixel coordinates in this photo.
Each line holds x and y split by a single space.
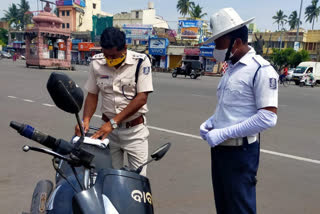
124 97
247 105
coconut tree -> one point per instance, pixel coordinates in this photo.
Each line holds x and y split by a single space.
184 7
312 12
196 12
24 17
280 18
12 16
293 20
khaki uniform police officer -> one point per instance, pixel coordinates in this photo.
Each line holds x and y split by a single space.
123 104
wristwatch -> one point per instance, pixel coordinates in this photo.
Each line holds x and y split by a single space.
113 124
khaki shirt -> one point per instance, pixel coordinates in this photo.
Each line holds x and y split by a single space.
117 86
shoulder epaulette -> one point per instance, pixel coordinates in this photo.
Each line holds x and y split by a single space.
261 61
98 56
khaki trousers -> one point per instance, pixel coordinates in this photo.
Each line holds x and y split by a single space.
133 141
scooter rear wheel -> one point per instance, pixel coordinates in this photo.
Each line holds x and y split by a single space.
40 197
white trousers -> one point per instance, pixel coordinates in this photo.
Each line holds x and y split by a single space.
133 141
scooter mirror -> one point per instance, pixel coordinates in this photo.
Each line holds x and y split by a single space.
65 92
160 152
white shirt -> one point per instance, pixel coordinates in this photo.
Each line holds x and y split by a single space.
117 86
248 85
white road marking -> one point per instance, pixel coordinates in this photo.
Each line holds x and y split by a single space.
262 150
49 105
29 101
13 97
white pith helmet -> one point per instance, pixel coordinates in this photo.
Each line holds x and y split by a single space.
225 21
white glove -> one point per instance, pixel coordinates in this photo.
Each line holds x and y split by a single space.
206 127
259 122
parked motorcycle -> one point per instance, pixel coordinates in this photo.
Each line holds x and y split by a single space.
85 181
307 80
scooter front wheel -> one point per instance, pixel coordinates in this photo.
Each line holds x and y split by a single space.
40 197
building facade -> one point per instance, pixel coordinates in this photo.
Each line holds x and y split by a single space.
140 17
77 14
308 40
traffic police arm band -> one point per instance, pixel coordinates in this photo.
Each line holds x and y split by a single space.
259 122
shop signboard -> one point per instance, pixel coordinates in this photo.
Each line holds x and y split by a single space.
85 46
138 32
62 46
206 51
190 29
158 46
192 51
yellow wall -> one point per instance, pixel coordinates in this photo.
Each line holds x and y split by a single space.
175 61
288 38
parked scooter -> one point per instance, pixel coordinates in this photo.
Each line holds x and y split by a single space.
85 181
307 80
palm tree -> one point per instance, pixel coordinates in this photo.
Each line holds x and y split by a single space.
312 12
184 7
293 20
196 12
280 18
12 15
23 17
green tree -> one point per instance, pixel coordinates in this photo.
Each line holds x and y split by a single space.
312 12
293 20
4 35
184 7
280 18
288 57
24 17
12 16
196 12
298 57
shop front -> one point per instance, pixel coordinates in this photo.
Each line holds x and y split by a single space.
207 54
75 51
158 51
85 52
192 53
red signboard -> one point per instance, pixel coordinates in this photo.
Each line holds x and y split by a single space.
85 46
192 51
62 46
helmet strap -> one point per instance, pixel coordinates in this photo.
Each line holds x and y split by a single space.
230 48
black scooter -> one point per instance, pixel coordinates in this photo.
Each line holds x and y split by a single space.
85 181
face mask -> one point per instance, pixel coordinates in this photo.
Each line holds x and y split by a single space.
115 62
220 55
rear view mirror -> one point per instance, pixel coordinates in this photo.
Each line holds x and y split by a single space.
160 152
65 93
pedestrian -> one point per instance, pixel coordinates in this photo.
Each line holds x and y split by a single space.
123 79
247 105
14 57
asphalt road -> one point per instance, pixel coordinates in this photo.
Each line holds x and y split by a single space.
289 173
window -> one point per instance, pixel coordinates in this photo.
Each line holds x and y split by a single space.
63 13
94 6
68 13
68 26
137 14
63 25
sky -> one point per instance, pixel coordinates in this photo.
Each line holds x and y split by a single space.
262 10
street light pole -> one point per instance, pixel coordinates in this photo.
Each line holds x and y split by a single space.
299 21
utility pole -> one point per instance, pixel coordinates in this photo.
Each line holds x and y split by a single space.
299 22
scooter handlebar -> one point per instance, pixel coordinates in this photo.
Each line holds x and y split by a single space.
58 145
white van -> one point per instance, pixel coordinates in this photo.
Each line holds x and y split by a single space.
302 69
